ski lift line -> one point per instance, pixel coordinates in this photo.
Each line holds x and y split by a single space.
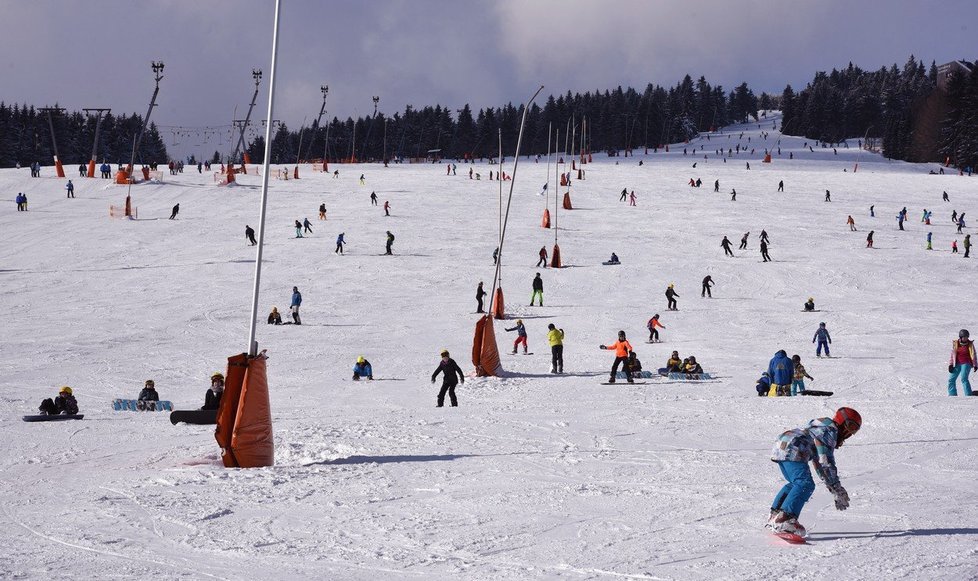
252 343
512 183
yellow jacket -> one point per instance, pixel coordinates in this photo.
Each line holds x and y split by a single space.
556 337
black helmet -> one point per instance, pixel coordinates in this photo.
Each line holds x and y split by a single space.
621 333
963 334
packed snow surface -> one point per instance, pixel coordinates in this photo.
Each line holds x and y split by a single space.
533 475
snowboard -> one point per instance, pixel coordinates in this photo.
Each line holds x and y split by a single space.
815 311
200 417
817 392
132 405
606 263
790 538
623 382
645 374
530 353
675 375
57 418
651 342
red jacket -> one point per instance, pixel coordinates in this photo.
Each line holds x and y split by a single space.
963 351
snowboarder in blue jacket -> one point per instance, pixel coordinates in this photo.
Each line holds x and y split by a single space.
823 338
362 368
296 301
815 443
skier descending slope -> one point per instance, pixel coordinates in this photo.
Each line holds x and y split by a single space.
815 443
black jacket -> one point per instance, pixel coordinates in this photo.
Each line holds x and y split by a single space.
538 284
212 400
148 394
451 370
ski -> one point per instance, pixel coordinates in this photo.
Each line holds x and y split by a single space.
202 417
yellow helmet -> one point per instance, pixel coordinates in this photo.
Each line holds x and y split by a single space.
444 352
65 389
217 375
671 285
811 299
360 359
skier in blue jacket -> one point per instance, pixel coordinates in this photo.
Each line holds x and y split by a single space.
815 443
782 372
296 301
823 338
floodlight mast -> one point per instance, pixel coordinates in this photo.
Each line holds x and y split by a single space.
157 67
256 75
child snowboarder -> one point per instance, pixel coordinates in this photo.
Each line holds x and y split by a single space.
452 376
635 365
362 368
212 399
798 382
520 336
653 326
810 305
674 364
869 239
390 243
961 364
298 229
148 392
622 348
64 403
815 443
823 338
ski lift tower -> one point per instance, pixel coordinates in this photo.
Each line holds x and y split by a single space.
256 75
54 142
157 67
98 130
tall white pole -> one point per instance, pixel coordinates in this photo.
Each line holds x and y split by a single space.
252 343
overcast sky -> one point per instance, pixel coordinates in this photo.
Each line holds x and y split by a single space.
97 53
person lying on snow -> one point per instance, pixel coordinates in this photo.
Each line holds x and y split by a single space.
65 403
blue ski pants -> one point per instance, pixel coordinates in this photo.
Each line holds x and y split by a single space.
821 345
960 371
793 495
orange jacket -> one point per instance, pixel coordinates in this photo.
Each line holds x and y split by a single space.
622 348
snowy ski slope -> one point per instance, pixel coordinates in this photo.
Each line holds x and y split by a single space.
533 476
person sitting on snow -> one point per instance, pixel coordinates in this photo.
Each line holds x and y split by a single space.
692 367
362 368
763 385
65 403
148 392
212 400
810 305
674 364
635 365
274 318
613 259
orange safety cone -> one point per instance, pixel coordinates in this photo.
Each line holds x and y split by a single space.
555 257
546 218
567 201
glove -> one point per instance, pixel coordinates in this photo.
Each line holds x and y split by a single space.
950 369
841 498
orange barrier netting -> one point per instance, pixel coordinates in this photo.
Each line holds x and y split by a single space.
498 306
244 418
555 257
567 202
485 353
546 218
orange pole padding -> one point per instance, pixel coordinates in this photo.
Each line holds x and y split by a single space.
325 166
227 411
122 177
573 164
128 205
546 218
247 158
567 202
947 161
295 174
589 158
555 257
667 148
767 158
563 179
230 175
485 352
145 173
58 168
252 444
580 174
91 168
498 305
